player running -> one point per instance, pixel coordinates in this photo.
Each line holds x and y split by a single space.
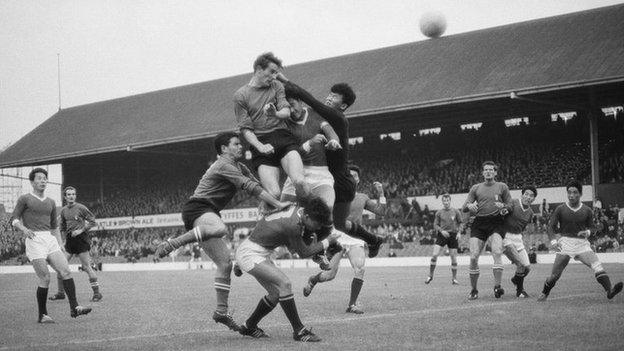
448 225
569 227
352 247
202 219
76 220
287 228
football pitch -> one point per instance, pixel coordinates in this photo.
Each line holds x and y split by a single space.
172 310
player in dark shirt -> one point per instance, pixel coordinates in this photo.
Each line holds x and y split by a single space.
485 200
448 225
570 225
286 228
341 96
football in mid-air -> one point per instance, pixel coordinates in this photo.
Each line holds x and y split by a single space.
432 24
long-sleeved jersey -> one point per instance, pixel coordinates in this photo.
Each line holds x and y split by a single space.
284 228
221 181
568 221
486 194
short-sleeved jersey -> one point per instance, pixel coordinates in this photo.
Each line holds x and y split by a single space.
221 181
447 219
74 217
284 228
486 194
36 214
568 221
249 105
305 130
518 218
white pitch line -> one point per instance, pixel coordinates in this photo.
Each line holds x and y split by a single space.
324 321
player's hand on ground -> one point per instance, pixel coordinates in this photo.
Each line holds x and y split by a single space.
318 139
445 233
266 149
270 110
333 145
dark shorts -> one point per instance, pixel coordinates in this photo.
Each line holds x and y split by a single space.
344 187
78 244
195 208
483 227
451 241
283 142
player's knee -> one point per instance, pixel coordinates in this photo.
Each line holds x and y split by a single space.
358 272
597 267
434 258
527 269
474 256
285 288
44 279
64 273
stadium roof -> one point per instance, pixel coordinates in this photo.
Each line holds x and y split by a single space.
563 52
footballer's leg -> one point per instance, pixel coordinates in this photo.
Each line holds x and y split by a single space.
85 259
496 243
453 254
357 258
58 262
432 265
323 276
208 225
476 246
561 261
293 166
60 292
43 274
521 260
219 253
590 259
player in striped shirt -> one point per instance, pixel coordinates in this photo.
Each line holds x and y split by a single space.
569 227
35 216
518 215
448 225
284 228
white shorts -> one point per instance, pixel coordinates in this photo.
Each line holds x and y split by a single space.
315 176
514 240
573 246
346 241
249 254
41 246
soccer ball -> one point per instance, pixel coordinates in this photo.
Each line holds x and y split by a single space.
432 24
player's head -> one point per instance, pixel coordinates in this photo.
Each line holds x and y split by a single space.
316 213
490 170
529 193
266 67
69 193
575 190
340 97
355 172
296 106
38 178
228 143
446 200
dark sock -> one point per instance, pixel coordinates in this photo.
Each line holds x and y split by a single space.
547 287
70 290
357 231
604 280
94 285
519 279
222 286
42 296
264 307
288 305
432 267
316 278
356 286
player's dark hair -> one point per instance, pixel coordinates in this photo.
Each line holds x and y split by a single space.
31 175
530 187
223 139
355 169
316 209
446 195
575 184
68 188
348 96
489 163
265 59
